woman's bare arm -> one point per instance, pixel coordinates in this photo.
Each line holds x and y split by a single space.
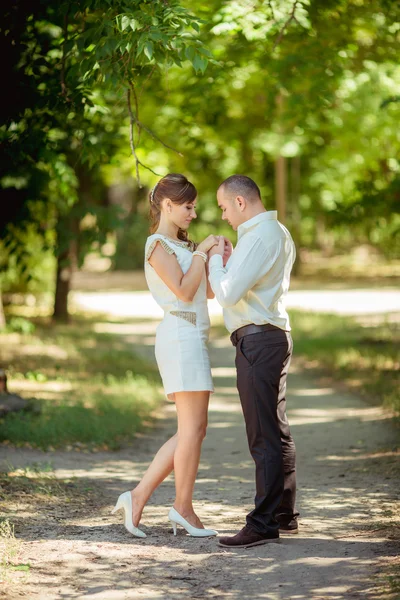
210 293
184 286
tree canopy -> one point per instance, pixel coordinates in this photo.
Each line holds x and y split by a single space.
301 95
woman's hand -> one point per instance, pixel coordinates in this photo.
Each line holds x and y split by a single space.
219 248
209 242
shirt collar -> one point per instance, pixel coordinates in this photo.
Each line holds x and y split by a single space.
269 215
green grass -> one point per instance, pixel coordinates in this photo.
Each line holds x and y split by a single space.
91 390
9 549
366 358
37 484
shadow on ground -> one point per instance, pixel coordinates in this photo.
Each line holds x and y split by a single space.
347 490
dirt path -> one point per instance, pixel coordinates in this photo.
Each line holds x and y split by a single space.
134 304
347 493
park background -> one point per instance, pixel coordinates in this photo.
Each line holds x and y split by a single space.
103 97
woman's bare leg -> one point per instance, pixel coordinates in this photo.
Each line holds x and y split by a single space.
161 466
192 409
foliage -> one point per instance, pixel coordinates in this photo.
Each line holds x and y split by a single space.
20 325
129 252
26 259
332 82
231 86
69 69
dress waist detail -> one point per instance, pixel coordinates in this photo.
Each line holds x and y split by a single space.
187 315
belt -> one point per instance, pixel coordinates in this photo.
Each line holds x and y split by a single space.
250 329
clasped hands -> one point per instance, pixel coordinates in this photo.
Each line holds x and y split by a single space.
217 244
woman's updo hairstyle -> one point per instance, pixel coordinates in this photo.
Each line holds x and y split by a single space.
179 190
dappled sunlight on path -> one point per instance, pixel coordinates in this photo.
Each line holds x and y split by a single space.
347 489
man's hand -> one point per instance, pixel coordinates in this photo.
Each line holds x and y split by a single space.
228 249
218 249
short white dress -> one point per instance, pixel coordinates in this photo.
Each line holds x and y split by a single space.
182 336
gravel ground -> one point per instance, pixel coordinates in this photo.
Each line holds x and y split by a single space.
348 479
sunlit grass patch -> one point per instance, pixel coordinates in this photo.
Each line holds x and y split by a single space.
90 388
103 418
364 357
37 482
367 358
9 548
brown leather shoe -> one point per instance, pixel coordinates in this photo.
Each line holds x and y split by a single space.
248 537
289 527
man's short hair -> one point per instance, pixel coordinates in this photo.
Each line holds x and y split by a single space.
241 185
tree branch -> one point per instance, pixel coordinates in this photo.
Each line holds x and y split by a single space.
132 143
138 124
150 75
131 140
150 132
134 120
292 17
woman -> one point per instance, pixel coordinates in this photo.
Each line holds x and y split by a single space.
176 275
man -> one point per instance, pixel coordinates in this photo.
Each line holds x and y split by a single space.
251 288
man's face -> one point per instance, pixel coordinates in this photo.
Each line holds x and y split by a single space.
230 209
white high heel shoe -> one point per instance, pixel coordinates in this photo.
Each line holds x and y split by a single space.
176 519
125 501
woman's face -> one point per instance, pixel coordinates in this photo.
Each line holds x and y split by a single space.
182 214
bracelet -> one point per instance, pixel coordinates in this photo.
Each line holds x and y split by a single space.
200 253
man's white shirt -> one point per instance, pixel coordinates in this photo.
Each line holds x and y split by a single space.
252 286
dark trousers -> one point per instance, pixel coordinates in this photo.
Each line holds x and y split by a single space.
262 363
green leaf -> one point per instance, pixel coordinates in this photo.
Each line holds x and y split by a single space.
199 63
156 36
148 50
125 22
134 24
204 51
190 53
141 43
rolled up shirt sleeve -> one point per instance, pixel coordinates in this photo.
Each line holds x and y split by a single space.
250 261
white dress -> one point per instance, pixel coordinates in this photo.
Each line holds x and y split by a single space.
181 337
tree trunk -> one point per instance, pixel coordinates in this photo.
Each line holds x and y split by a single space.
63 282
280 172
295 210
68 244
323 237
64 273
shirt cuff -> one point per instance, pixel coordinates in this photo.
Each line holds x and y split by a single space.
215 262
